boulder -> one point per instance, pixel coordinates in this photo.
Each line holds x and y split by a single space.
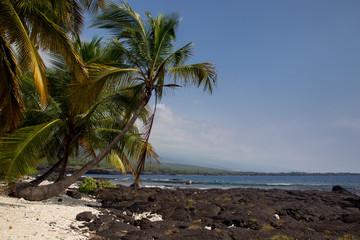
86 216
340 189
74 194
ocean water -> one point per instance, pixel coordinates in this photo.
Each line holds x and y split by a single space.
351 182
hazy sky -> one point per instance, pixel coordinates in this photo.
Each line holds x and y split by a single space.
288 95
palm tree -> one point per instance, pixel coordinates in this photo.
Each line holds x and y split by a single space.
147 59
26 26
58 131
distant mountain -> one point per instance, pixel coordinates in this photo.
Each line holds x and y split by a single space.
184 169
175 168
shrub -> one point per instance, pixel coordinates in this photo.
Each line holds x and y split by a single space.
90 184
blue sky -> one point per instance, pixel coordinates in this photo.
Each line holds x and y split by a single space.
288 95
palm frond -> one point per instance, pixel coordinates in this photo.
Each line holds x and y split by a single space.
17 33
117 52
54 38
118 18
201 74
114 160
93 5
146 151
174 59
20 151
125 160
126 24
162 36
103 77
89 52
11 102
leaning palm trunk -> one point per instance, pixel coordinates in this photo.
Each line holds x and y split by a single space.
64 161
47 174
38 193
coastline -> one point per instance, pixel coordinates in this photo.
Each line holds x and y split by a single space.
313 182
184 213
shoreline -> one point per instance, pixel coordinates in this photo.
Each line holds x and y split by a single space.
322 183
153 213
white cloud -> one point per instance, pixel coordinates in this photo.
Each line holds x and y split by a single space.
190 136
293 145
211 143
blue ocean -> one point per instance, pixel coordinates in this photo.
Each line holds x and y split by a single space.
351 182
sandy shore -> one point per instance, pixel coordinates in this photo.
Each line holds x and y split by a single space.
50 219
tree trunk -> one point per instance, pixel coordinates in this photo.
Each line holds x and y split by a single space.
63 169
64 161
43 177
38 193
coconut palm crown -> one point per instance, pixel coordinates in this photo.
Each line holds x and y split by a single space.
25 27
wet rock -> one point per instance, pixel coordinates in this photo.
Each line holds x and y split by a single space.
340 189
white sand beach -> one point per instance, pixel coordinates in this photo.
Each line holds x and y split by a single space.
49 219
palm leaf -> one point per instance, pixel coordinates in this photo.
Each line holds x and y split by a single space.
102 77
20 152
54 38
161 36
201 74
126 24
125 160
11 103
93 5
12 25
114 160
117 52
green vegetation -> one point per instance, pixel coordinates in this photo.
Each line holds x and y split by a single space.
90 184
95 94
58 131
25 27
